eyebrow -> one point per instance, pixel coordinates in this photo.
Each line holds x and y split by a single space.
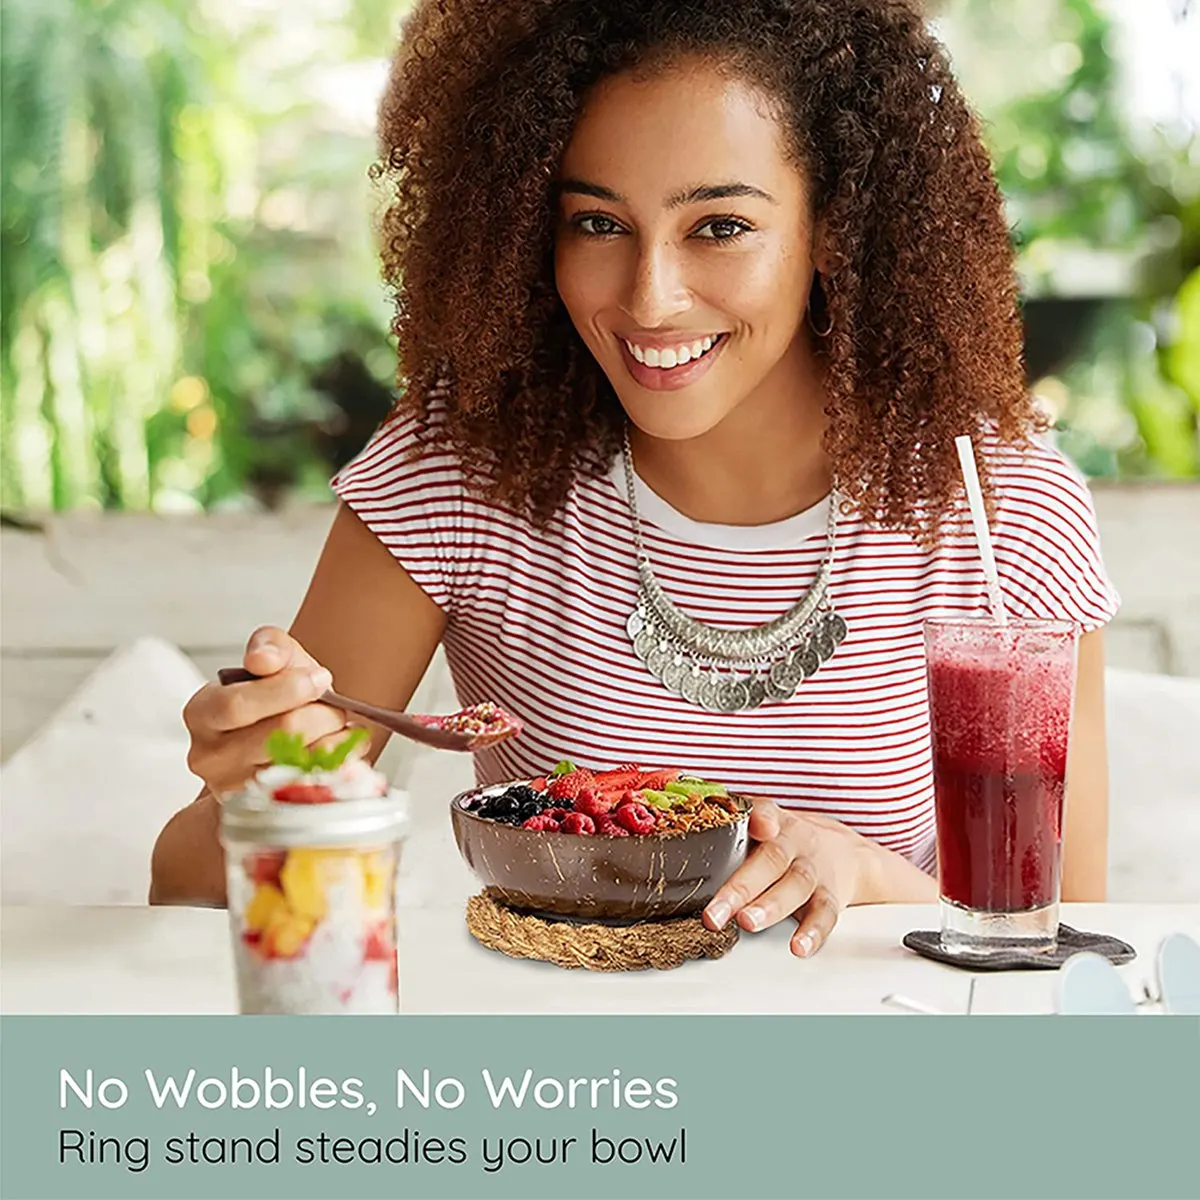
700 194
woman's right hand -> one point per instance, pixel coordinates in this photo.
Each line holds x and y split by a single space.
229 725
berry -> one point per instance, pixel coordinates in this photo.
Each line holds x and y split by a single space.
264 867
567 787
543 821
618 779
557 813
609 828
656 781
637 818
578 822
539 784
592 803
303 793
379 944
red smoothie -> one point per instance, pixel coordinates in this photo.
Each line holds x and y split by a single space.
1000 711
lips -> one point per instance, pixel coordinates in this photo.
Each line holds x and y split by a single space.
649 370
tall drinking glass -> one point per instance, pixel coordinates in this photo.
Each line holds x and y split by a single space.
1000 701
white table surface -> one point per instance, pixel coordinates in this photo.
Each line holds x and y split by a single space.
142 960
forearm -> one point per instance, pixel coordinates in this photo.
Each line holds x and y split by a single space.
889 878
188 864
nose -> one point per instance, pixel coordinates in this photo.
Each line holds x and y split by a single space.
657 289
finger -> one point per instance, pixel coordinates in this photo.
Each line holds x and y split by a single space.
767 862
815 922
765 820
243 705
235 755
271 649
791 891
331 741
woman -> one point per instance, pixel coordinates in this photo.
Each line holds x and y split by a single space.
692 300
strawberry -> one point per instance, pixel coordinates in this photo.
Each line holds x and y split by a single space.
264 867
539 784
379 946
656 781
618 779
567 787
303 793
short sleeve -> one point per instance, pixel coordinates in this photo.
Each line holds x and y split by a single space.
408 491
1047 539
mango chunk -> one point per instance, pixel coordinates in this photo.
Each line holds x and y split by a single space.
286 934
308 874
264 904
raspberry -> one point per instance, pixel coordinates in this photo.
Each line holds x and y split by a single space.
609 828
592 803
303 793
557 813
543 821
637 818
578 822
567 787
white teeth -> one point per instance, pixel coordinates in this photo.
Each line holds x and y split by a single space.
673 356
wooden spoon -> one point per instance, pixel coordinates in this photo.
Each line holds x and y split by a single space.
471 729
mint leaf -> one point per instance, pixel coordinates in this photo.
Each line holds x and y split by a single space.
563 768
333 757
288 750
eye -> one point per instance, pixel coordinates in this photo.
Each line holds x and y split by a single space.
722 229
595 225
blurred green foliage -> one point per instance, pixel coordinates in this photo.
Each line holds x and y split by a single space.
186 247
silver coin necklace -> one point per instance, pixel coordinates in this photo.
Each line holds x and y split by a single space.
731 670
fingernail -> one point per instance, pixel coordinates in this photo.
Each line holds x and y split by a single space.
718 913
805 941
320 679
754 917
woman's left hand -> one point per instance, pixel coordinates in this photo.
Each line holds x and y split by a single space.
804 866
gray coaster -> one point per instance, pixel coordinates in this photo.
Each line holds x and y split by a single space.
928 943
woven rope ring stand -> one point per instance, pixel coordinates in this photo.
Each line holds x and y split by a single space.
661 945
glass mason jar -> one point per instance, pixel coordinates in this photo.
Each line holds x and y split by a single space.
312 903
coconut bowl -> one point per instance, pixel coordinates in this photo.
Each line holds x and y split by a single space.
596 878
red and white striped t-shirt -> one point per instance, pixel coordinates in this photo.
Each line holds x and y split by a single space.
536 622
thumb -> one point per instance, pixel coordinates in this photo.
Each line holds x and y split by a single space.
271 649
764 821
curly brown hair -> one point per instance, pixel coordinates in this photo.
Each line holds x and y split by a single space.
926 332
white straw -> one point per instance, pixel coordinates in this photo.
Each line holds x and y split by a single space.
983 538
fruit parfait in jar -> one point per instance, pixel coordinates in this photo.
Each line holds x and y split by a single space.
312 846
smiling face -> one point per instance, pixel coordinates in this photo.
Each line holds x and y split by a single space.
684 246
